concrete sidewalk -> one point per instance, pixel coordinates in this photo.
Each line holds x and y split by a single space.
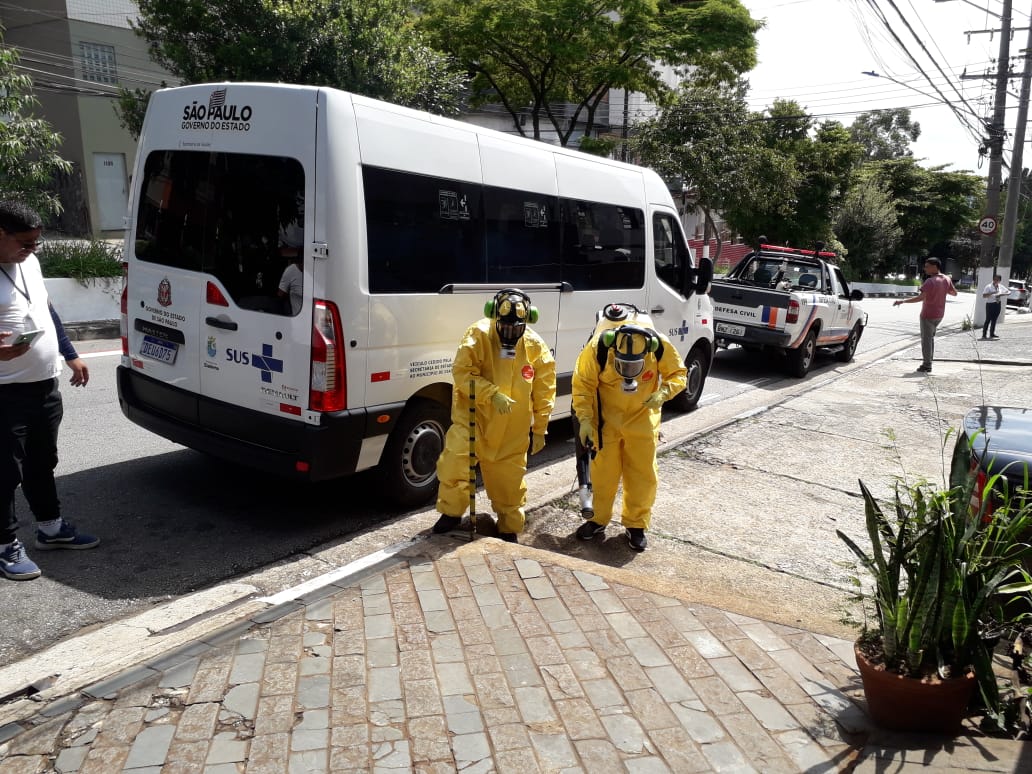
449 655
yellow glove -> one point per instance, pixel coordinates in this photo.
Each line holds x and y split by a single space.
503 403
537 443
656 399
587 435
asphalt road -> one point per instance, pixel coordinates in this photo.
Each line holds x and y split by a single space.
173 521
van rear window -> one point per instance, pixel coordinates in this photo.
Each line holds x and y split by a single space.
238 217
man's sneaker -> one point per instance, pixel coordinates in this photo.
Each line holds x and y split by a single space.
994 336
508 537
67 537
446 524
589 529
15 563
925 368
636 537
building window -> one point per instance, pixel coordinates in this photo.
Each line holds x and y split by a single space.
98 63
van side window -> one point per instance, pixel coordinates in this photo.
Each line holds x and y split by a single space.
603 246
222 214
522 237
670 253
422 232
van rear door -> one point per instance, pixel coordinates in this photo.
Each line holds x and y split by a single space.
221 218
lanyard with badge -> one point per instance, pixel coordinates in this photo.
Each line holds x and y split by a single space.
28 322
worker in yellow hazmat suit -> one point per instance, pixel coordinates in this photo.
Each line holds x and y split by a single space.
623 376
513 374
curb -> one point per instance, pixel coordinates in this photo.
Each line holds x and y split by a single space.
96 329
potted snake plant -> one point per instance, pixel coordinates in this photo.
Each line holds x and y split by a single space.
944 574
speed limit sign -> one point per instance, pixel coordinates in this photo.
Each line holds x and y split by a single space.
987 225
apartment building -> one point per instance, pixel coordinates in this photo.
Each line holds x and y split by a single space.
78 53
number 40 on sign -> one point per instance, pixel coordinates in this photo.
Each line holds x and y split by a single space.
987 225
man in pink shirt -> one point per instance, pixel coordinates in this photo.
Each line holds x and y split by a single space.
932 296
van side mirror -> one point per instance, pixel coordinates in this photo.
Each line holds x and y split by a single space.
856 295
703 276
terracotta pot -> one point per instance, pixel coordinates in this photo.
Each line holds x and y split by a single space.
901 703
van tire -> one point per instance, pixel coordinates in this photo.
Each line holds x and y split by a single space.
409 463
698 366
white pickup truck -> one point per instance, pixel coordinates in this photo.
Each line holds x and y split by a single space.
789 300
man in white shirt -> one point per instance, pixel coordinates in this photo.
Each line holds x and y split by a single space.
30 402
992 293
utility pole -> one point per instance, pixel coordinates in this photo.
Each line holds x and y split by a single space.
995 142
1010 217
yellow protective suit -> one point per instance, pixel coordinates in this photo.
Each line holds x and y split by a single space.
501 439
630 430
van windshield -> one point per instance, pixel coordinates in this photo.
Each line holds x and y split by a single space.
238 217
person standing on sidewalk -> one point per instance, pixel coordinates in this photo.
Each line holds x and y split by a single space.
622 378
992 293
932 297
513 373
30 402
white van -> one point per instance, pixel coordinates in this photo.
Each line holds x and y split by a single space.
406 224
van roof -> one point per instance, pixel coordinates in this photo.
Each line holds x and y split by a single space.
656 189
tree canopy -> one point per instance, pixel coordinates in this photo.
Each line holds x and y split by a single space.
867 227
29 161
535 57
370 47
708 139
885 134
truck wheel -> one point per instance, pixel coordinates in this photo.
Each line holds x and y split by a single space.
698 366
409 463
800 360
845 354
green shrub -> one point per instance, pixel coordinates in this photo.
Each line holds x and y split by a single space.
80 259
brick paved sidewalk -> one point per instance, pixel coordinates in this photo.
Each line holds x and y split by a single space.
484 657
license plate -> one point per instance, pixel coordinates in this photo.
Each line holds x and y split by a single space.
730 330
159 349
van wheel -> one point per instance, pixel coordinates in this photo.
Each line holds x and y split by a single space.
800 360
409 463
845 354
698 366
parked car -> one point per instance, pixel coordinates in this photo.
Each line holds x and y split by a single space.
996 440
1019 293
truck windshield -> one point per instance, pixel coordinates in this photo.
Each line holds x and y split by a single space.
238 217
774 272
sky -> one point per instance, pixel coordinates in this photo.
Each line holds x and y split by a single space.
815 51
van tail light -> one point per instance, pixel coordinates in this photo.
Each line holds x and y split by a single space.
793 312
123 322
329 388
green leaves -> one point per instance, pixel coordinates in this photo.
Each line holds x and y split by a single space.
366 46
531 56
943 573
29 160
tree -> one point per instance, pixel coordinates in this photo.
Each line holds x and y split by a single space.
366 46
822 157
537 56
708 139
934 205
29 161
866 226
885 134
